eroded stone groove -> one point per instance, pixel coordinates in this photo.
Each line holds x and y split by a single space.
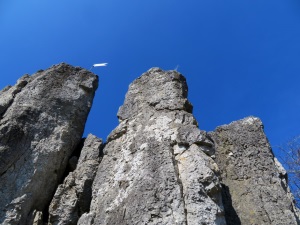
255 189
144 177
73 197
43 118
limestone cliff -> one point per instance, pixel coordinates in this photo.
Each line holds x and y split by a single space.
42 121
156 167
153 170
254 183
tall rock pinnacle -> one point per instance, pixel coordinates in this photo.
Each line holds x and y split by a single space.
42 121
254 183
154 169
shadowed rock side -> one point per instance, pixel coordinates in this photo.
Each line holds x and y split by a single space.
42 121
254 183
154 169
73 197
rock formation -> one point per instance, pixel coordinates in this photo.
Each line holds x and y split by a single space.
42 121
73 197
153 170
157 167
254 183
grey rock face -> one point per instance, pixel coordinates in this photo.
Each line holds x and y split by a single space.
73 197
42 121
154 169
8 93
254 183
157 167
35 218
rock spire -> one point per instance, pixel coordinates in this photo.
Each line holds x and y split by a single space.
42 121
254 183
154 169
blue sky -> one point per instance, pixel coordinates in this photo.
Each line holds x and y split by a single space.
240 58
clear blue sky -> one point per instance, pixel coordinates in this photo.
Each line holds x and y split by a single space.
240 57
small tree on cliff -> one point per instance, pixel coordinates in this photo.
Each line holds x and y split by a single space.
291 159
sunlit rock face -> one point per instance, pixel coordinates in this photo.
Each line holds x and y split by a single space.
42 121
156 167
154 170
254 185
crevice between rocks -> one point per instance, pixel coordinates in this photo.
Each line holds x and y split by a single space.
45 211
230 213
70 168
73 160
72 164
82 211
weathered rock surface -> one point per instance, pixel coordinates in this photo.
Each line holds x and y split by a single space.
8 93
157 167
42 121
154 169
254 183
73 197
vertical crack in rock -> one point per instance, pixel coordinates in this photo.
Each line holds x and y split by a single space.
43 216
144 177
73 197
255 187
43 118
